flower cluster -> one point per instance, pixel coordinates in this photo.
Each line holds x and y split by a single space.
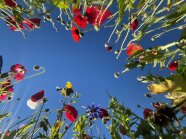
94 15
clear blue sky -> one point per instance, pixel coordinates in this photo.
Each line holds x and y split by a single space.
86 64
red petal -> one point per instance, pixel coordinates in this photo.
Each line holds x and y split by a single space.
37 96
10 3
96 16
133 48
134 24
147 112
173 66
80 21
104 113
75 34
32 23
71 113
3 97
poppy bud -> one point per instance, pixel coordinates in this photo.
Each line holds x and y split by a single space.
134 24
116 75
36 67
109 49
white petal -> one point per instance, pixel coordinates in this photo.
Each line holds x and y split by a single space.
32 104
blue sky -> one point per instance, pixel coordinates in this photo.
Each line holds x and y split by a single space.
86 64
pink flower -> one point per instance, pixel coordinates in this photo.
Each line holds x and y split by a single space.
75 34
96 16
32 23
133 48
173 66
80 20
18 72
10 3
71 113
35 100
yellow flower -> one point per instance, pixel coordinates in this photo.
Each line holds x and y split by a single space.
68 85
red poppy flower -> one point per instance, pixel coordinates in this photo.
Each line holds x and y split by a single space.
18 72
183 110
173 66
32 23
13 25
75 34
147 113
96 16
10 3
104 113
133 48
80 20
134 24
71 113
7 86
35 100
76 9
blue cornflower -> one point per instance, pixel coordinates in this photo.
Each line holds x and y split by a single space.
93 111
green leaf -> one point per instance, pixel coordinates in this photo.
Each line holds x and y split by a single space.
62 4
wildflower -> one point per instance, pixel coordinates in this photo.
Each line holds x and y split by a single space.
147 113
71 113
13 25
96 16
68 85
32 23
133 48
75 34
36 99
134 24
173 66
80 20
94 112
10 3
18 72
